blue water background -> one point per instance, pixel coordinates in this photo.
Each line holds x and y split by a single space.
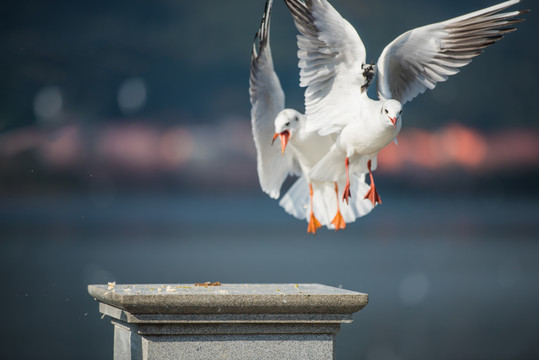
447 277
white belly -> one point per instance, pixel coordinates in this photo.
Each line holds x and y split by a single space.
361 140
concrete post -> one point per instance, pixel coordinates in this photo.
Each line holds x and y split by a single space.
228 321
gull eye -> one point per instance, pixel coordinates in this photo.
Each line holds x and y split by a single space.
400 112
387 112
287 124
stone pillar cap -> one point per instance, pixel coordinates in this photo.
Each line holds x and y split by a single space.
229 298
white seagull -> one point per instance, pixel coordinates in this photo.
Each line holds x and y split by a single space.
332 62
299 150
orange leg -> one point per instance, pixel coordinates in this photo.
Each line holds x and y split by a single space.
372 194
314 224
346 193
338 221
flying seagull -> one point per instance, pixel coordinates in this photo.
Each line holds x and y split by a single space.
316 201
333 68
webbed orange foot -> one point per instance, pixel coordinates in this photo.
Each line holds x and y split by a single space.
373 196
314 224
338 221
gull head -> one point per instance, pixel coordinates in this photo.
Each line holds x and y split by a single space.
286 123
391 112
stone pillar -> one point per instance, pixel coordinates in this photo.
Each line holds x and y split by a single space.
228 321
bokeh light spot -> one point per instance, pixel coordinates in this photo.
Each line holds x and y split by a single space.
132 95
48 103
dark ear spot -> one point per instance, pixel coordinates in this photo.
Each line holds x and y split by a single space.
296 118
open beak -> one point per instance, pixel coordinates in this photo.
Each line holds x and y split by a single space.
393 120
285 135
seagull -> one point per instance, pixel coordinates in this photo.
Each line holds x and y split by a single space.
299 152
333 68
308 148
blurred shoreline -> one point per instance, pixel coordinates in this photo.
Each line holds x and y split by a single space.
137 156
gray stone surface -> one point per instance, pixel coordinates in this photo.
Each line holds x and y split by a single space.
230 299
268 347
231 321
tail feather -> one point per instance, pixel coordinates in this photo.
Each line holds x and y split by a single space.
324 204
358 206
326 201
296 200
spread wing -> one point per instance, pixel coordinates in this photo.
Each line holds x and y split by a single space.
331 58
267 100
420 58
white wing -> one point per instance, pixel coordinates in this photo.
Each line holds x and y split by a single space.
420 58
331 56
267 100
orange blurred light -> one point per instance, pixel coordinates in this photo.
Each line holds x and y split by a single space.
135 147
176 146
463 146
62 148
453 145
425 151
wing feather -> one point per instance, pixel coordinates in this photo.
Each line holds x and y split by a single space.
331 55
420 58
267 100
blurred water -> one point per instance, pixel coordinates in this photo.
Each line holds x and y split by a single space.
447 277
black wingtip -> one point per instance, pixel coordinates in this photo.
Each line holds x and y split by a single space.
262 35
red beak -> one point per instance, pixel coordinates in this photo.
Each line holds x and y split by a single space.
285 135
393 120
274 137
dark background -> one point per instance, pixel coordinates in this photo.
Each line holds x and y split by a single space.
126 155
